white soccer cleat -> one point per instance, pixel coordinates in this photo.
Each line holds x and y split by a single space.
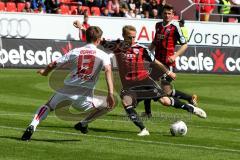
144 132
199 112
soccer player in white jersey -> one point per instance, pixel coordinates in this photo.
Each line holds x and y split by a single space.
86 63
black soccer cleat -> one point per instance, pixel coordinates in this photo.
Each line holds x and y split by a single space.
28 133
81 128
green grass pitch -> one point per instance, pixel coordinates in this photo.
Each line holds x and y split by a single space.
113 136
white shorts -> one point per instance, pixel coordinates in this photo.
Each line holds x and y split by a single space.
79 102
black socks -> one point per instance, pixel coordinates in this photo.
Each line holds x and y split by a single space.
134 117
175 102
147 106
181 95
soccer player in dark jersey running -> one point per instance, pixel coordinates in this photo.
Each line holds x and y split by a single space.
137 85
167 34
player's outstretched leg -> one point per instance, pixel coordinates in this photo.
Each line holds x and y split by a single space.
40 115
192 99
175 102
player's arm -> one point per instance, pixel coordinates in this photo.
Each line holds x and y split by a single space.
77 24
164 69
64 59
180 51
47 70
152 46
183 42
150 56
109 80
110 45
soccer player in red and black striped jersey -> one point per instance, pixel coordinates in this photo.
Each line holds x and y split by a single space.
167 34
133 59
82 27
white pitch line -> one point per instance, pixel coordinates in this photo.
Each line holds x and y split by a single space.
121 121
131 140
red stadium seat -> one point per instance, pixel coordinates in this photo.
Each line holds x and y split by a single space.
62 1
65 1
20 7
2 6
73 9
64 9
95 11
11 7
86 8
36 10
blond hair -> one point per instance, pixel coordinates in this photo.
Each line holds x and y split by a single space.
128 28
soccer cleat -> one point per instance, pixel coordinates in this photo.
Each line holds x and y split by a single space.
81 128
144 114
194 100
199 112
144 132
28 133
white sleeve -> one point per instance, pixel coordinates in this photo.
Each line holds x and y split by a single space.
66 58
106 59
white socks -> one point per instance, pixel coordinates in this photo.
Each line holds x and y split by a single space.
40 115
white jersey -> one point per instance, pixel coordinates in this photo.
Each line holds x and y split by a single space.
85 65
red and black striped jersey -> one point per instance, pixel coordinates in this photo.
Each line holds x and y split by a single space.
165 40
133 61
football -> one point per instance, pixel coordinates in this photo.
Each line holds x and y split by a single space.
178 128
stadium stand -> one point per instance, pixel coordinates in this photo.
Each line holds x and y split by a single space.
2 6
20 6
95 11
87 9
73 9
64 9
186 9
11 7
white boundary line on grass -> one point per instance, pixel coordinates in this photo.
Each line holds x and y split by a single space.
107 120
130 140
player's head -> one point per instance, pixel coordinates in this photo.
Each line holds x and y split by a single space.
94 34
129 34
168 13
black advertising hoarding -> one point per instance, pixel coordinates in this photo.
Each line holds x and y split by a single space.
209 59
32 53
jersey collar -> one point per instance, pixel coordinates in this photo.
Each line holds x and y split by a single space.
167 24
91 45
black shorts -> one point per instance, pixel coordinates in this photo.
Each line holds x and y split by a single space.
142 91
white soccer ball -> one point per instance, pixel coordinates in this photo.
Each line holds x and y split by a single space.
178 128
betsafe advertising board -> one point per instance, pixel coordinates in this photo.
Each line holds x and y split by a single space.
33 53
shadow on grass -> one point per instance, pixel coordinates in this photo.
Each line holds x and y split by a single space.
41 140
111 130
